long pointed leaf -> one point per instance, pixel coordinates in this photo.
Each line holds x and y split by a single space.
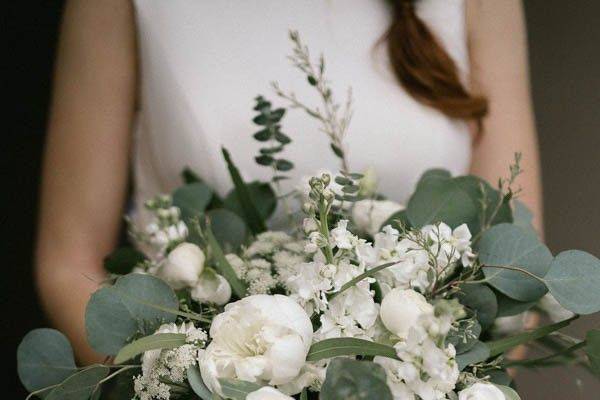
152 342
224 267
336 347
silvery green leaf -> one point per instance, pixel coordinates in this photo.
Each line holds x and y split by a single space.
478 353
135 303
44 358
507 245
197 384
508 307
509 393
336 347
352 379
574 281
192 199
151 342
499 377
79 386
229 229
236 389
262 196
481 300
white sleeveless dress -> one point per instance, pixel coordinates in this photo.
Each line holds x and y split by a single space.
203 62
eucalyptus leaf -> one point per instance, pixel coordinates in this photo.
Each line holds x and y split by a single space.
197 384
262 196
135 303
44 358
592 349
507 245
574 281
80 385
336 347
508 307
357 380
192 199
123 260
499 377
151 342
465 337
481 300
229 229
236 389
478 353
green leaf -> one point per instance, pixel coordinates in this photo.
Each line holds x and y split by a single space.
478 353
282 137
123 260
337 150
523 217
336 347
283 165
80 385
262 195
263 135
592 349
229 229
502 345
190 176
511 246
192 199
223 266
465 337
236 389
509 393
197 384
574 280
135 303
481 300
152 342
264 159
44 358
356 380
396 219
251 215
508 307
499 377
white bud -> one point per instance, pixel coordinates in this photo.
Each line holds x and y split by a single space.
211 288
401 309
183 266
481 391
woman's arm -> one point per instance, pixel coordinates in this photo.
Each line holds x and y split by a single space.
499 70
86 159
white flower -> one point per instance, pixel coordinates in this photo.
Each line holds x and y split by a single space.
401 309
267 393
261 338
369 215
183 266
309 286
481 391
342 237
211 288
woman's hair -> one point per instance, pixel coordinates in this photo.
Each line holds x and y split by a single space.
425 69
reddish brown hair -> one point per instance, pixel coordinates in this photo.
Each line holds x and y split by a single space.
425 69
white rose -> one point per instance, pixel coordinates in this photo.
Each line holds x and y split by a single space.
267 393
369 215
183 266
481 391
261 338
401 309
211 288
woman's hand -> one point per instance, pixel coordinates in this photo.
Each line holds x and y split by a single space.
86 159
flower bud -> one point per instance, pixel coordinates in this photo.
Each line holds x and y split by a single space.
401 309
183 266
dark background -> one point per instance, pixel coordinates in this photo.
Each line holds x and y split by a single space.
564 41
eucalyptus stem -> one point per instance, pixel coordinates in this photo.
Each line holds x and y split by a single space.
511 268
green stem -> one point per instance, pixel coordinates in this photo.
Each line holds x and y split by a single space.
325 232
511 268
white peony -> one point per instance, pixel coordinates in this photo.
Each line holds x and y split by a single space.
369 215
261 338
267 393
183 266
401 309
481 391
211 288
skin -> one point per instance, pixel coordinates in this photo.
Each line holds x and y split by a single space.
87 152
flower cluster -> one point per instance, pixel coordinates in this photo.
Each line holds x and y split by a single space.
166 229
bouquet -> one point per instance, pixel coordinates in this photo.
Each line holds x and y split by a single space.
359 297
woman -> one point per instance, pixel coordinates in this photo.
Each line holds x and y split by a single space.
168 82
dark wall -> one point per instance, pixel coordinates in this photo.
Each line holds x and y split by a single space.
565 63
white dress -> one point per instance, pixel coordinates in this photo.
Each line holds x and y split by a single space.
202 63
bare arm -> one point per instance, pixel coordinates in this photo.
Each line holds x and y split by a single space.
499 68
86 159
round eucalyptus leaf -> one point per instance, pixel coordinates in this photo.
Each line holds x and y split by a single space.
79 386
192 199
44 358
478 353
507 245
352 379
229 229
481 300
135 303
574 280
262 195
508 307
